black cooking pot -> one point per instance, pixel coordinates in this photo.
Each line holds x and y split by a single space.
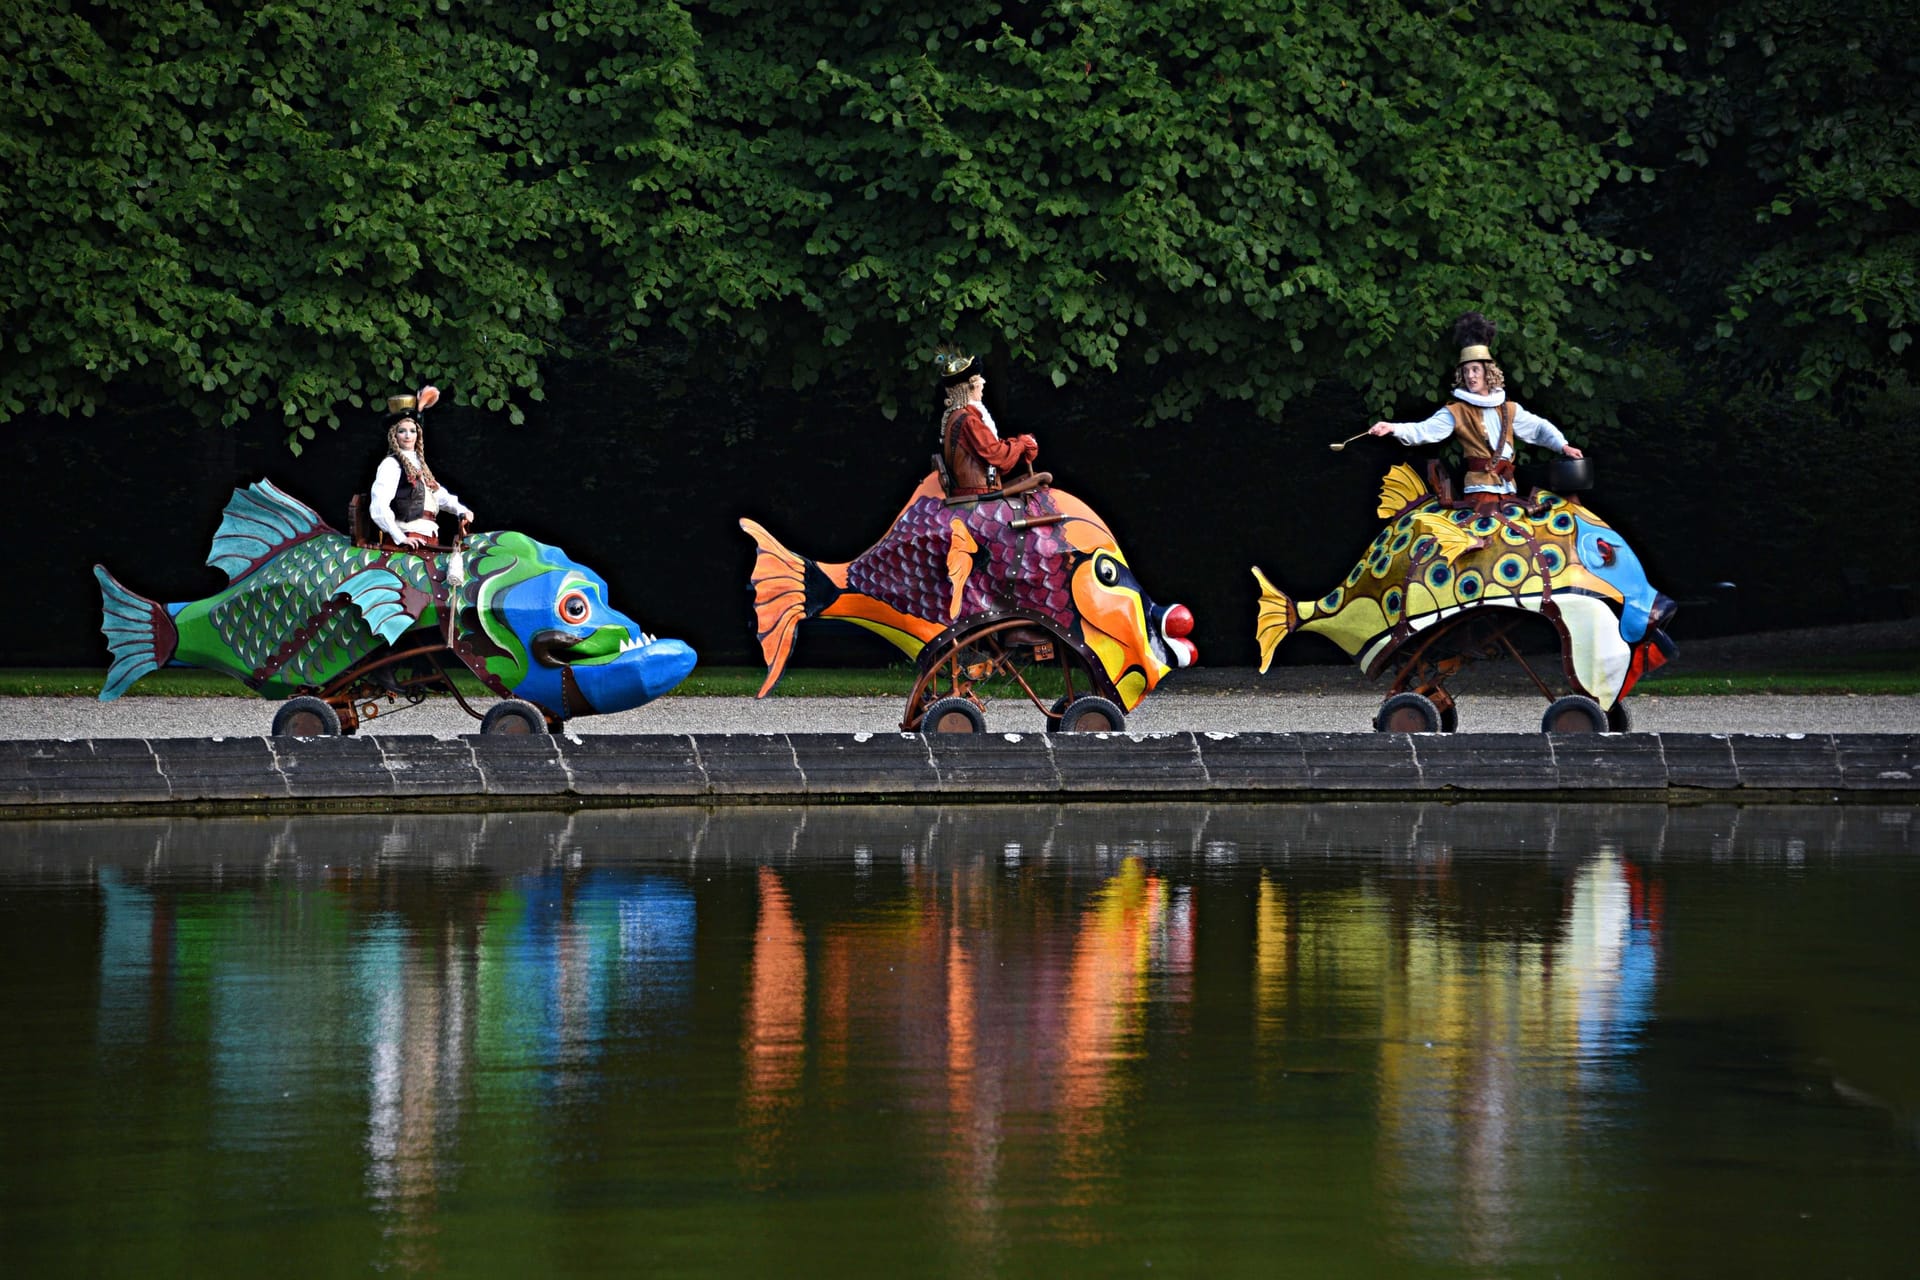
1569 475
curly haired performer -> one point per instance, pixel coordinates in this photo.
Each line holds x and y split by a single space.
1480 417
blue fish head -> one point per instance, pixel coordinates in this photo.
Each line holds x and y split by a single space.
542 625
1606 555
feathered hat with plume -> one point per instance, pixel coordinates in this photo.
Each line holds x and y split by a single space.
953 365
412 406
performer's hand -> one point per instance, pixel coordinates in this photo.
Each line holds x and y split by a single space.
1572 452
1029 447
1380 429
415 539
466 525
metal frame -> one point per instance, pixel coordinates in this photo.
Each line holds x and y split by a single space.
1003 647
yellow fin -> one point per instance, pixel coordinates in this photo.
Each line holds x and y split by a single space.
1454 541
1401 488
959 563
1276 621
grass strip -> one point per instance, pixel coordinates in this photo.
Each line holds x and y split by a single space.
712 682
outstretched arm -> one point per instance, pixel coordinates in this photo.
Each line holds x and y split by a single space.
1436 426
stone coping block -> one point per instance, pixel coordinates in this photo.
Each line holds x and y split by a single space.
905 768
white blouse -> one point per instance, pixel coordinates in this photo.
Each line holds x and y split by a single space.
386 483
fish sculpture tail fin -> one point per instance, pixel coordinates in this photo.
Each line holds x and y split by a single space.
1278 619
140 634
787 589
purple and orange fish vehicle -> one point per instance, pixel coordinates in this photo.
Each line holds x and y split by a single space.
1021 592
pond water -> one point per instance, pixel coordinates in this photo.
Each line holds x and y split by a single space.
1315 1040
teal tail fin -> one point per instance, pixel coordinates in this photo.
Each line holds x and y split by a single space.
140 634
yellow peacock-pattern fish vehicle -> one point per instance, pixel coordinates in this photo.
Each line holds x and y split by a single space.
1444 584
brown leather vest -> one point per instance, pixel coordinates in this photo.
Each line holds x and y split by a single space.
967 470
1484 465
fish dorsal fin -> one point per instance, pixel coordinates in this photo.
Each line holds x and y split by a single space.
258 524
1454 541
1401 488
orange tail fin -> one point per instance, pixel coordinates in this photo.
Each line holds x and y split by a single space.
779 587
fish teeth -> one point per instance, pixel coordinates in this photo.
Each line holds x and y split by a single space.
627 646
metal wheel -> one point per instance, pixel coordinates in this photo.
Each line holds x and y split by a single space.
1091 714
1574 713
1618 721
306 717
1407 713
513 716
953 715
1008 656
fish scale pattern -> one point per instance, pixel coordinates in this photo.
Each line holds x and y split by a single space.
1523 541
285 594
907 569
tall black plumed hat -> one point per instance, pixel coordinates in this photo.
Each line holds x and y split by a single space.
1473 333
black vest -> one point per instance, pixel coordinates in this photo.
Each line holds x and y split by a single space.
409 499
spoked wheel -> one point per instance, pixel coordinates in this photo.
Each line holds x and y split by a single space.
1574 713
306 717
1004 657
513 717
1407 713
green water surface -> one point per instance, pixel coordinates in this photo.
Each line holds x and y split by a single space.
1028 1041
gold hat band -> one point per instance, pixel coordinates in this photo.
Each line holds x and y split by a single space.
1474 353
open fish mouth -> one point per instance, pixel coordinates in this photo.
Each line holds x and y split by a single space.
556 648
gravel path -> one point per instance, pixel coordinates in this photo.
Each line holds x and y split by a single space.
1493 698
1168 710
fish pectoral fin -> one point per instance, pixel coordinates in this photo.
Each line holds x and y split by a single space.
959 564
378 593
1454 541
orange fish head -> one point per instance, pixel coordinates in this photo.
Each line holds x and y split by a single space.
1135 640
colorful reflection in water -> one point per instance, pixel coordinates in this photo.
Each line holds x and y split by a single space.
1409 1037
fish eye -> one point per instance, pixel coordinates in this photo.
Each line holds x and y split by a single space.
1107 571
1605 549
574 607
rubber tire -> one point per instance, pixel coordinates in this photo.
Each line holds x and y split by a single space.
1407 712
953 715
1092 714
1564 715
1450 719
514 716
1618 719
306 717
1053 713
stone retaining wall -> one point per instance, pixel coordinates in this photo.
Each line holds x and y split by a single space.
50 778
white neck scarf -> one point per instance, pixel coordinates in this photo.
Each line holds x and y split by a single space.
1486 400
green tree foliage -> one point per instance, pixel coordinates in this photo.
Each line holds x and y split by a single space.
283 206
1806 115
286 206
